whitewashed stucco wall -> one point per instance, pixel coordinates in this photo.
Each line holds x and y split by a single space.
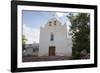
61 42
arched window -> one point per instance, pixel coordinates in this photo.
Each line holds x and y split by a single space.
52 37
54 22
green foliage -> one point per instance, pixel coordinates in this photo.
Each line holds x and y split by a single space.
80 31
23 41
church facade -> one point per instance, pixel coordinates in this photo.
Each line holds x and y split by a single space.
54 40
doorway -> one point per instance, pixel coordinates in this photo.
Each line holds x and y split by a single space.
52 51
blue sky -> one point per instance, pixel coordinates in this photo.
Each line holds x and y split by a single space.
32 20
35 19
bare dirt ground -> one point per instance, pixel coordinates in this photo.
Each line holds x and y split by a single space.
50 58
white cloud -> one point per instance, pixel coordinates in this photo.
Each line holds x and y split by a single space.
31 34
59 14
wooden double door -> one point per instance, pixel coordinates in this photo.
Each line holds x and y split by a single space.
52 51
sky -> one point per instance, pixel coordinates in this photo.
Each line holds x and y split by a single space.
32 20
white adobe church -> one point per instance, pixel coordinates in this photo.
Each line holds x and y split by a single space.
54 40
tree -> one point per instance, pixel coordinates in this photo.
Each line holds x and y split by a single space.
80 31
23 41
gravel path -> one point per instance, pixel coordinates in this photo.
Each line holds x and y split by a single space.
50 58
